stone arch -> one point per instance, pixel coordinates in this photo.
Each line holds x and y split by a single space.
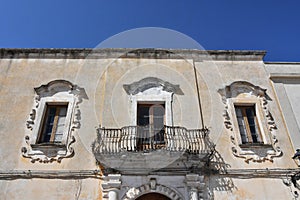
153 196
134 193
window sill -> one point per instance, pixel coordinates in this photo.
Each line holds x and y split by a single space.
48 145
49 149
255 145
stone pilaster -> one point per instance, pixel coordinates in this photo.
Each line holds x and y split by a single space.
111 186
195 184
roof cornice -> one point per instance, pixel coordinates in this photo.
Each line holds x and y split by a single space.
76 53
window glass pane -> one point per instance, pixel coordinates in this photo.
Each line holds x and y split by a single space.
252 124
158 123
48 125
63 111
247 122
58 138
54 123
143 115
158 117
150 121
242 125
61 118
143 124
60 129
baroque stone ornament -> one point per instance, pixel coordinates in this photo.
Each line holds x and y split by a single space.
58 91
244 92
134 193
151 82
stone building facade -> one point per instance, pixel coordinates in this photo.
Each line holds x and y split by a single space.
147 124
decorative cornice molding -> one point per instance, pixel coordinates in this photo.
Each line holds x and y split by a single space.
49 174
273 173
97 53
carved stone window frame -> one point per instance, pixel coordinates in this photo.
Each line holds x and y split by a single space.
153 96
58 98
151 90
54 93
244 93
249 101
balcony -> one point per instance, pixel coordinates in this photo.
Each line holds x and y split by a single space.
134 148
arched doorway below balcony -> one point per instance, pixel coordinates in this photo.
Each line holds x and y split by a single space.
153 196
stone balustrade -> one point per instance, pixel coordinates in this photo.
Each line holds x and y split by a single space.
134 138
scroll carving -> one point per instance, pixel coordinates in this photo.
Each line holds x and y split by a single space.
46 153
258 154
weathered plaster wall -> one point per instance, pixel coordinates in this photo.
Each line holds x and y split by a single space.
286 82
252 189
107 104
18 79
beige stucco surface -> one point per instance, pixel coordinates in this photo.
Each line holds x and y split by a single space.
107 104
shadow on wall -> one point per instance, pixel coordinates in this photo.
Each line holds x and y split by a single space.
217 180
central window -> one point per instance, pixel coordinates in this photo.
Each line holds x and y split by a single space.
150 122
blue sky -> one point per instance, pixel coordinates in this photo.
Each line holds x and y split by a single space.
270 25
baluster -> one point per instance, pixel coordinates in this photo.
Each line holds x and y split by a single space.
202 141
205 140
117 137
101 140
105 141
128 138
180 139
198 141
132 138
109 141
167 143
113 135
192 141
178 143
184 138
177 136
195 141
164 139
171 138
122 140
113 132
